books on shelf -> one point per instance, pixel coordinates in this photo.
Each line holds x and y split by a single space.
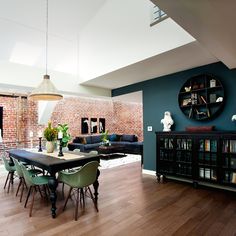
233 178
232 146
203 99
207 145
212 97
229 146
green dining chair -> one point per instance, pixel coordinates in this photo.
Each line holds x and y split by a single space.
10 176
33 182
20 174
80 180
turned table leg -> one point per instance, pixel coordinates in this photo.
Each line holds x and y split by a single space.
52 183
95 186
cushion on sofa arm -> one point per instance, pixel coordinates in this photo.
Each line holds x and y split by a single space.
128 138
96 138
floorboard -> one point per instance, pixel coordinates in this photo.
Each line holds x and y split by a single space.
130 203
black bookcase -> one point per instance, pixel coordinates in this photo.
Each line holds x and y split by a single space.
198 157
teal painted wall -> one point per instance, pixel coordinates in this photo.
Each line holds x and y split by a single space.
161 94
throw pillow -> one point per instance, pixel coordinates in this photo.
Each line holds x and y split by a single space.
76 140
118 137
83 140
113 137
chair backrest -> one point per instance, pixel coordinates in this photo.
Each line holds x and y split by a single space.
27 176
18 167
6 164
85 176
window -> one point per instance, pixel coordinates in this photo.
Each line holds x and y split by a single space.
157 15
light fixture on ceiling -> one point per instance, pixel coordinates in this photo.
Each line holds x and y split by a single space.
46 91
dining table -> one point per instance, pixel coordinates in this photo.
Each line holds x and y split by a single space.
52 164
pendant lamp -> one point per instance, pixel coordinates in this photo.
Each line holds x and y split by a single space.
46 91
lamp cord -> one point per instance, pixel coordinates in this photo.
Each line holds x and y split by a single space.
46 38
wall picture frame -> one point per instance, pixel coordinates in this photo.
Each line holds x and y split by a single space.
93 125
84 125
102 125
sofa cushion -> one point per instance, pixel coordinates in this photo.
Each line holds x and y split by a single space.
91 146
77 140
113 137
96 139
88 140
128 138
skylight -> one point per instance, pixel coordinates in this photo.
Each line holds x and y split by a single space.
157 15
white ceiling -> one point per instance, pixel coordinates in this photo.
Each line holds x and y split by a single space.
66 17
22 25
166 63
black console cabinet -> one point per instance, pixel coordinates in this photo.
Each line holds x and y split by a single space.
206 158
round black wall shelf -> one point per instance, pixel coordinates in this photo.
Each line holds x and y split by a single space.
201 97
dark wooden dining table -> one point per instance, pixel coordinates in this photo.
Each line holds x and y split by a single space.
53 165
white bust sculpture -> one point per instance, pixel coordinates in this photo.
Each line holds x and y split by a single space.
233 118
167 121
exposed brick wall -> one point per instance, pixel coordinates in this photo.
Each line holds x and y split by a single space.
20 116
121 117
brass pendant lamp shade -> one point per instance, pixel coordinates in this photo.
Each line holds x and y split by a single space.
46 91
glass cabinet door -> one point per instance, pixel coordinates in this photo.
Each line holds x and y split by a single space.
229 161
184 156
207 159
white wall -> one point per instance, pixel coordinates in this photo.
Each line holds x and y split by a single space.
120 35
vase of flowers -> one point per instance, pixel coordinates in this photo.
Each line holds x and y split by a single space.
50 134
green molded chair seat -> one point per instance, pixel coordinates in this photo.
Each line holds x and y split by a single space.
10 176
34 182
79 180
20 174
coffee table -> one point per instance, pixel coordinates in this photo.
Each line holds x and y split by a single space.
108 151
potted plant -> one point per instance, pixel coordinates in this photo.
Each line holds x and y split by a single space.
50 134
105 139
66 136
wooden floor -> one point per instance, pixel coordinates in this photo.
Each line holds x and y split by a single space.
130 204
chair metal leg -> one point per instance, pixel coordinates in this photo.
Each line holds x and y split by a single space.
62 189
18 188
91 194
82 195
22 189
6 180
45 191
39 191
28 196
12 178
76 206
10 181
67 198
32 202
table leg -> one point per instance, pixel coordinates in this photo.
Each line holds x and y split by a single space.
52 183
95 186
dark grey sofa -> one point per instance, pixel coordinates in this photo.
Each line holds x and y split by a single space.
92 142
